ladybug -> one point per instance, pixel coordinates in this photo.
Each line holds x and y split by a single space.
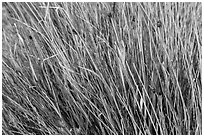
30 37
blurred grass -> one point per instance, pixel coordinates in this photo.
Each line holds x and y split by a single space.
101 68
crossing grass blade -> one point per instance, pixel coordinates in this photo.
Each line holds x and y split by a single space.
101 68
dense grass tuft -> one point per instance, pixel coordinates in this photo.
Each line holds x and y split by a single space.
102 68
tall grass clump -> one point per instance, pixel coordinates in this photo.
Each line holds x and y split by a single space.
101 68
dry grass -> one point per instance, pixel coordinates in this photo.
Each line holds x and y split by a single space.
102 68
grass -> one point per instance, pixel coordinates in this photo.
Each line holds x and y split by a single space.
101 68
